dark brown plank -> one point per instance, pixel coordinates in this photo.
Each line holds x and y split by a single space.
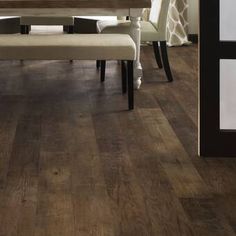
146 152
19 195
125 194
205 217
92 207
55 213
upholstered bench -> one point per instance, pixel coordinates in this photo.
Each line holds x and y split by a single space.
27 21
75 47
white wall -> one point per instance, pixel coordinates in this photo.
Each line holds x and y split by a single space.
193 16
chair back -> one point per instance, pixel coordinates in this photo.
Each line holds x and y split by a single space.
158 14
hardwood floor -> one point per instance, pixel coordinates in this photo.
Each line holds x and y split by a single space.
74 162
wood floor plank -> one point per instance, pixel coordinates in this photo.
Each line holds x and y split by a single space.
164 209
10 112
227 205
54 209
92 208
55 214
205 217
181 170
123 190
19 197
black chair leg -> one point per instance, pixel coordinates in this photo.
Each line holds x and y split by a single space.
70 29
103 70
65 28
130 85
157 54
166 60
27 29
24 29
98 63
124 77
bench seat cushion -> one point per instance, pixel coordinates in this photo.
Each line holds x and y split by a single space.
47 20
67 47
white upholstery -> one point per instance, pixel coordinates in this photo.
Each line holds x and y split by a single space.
148 30
153 30
47 20
67 47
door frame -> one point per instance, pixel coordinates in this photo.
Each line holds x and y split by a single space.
213 142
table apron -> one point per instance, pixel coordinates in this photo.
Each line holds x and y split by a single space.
135 12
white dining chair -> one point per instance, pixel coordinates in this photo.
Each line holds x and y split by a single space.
153 31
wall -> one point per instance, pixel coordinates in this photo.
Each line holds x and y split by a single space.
193 18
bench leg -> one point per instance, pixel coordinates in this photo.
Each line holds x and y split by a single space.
22 29
71 29
130 85
124 76
103 70
98 64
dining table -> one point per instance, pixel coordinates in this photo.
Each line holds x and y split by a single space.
131 8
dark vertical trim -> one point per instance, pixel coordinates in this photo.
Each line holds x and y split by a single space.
213 141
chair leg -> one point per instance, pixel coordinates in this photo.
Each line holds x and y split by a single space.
103 70
157 54
124 77
27 30
130 85
98 63
70 29
24 29
166 61
65 28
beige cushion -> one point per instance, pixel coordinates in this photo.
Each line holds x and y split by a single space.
47 20
148 30
66 47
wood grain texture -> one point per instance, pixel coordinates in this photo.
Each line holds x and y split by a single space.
74 162
115 4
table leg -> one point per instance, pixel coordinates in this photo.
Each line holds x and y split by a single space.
136 36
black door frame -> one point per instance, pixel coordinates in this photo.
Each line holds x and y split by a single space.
213 141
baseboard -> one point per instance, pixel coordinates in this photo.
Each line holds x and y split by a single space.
193 38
